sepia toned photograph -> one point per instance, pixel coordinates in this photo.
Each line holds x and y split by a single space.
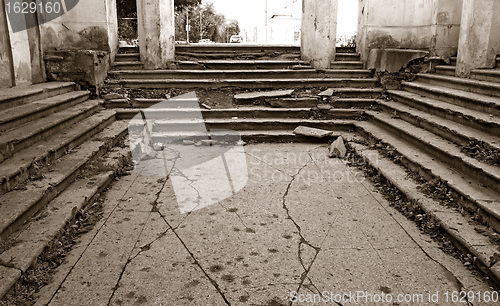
249 152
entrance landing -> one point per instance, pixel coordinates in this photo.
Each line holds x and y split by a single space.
303 225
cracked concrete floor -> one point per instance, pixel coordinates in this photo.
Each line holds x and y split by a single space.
303 224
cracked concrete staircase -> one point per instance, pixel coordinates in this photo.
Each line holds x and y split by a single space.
57 152
425 126
255 119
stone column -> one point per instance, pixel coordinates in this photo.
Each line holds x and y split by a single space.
6 66
479 36
319 32
156 29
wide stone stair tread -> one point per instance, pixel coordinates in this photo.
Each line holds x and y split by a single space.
451 220
449 108
436 143
469 98
465 85
445 124
29 241
26 94
17 206
485 198
41 107
51 148
46 124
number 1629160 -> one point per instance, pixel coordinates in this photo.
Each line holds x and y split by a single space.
20 7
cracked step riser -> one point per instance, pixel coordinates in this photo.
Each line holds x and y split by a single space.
253 138
100 182
459 101
248 126
465 245
456 84
450 115
128 66
241 114
242 84
62 184
37 96
430 126
228 74
24 173
128 57
485 76
480 75
38 114
463 200
261 66
477 174
9 149
50 193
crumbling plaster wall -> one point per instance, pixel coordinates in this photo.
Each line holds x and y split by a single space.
6 66
432 25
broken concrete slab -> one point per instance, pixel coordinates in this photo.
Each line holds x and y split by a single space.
312 132
327 93
337 148
113 96
392 60
8 276
260 95
325 107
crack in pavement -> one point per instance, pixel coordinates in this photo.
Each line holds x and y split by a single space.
91 241
212 281
302 241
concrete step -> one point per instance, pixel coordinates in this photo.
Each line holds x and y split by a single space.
30 240
257 112
442 150
23 136
15 96
459 228
346 92
17 206
236 55
248 124
240 74
127 57
470 194
467 117
238 48
244 83
446 70
450 130
258 64
314 102
253 136
488 75
16 116
453 61
128 65
474 101
347 57
26 163
468 85
128 49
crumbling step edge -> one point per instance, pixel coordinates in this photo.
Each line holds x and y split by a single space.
484 255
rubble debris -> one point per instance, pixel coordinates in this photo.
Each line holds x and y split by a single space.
337 148
328 93
188 142
325 107
312 132
205 106
209 142
113 96
259 95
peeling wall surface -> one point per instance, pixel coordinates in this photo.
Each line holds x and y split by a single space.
432 25
85 27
